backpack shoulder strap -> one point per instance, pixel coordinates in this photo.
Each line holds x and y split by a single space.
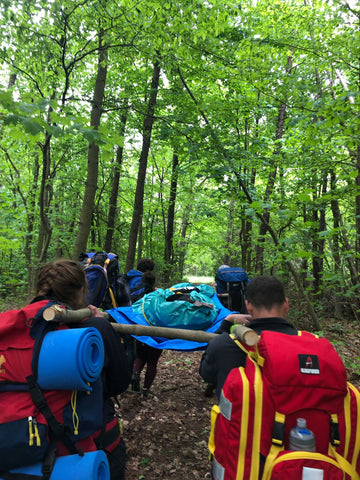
245 348
57 430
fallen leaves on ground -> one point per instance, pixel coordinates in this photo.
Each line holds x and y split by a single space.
167 434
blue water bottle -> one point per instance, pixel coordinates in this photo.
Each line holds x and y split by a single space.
301 438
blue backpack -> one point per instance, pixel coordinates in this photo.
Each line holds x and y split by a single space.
231 285
135 281
107 287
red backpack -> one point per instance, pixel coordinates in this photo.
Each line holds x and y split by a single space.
36 425
286 377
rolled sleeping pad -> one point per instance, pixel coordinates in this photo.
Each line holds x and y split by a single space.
70 359
90 466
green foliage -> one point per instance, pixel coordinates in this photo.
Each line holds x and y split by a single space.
226 75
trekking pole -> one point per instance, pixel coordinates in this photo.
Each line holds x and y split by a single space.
61 314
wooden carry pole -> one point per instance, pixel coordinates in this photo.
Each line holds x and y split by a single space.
61 314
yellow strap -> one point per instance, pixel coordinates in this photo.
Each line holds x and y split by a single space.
356 452
257 357
275 449
271 460
113 301
31 432
75 417
121 427
36 434
143 310
347 418
344 464
258 407
239 344
337 461
244 425
214 414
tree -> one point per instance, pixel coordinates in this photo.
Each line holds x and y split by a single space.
139 193
93 153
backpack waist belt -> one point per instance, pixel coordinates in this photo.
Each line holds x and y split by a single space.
109 438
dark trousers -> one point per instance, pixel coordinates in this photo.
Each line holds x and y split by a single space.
149 356
117 462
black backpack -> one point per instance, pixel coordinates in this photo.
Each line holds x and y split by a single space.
107 287
231 286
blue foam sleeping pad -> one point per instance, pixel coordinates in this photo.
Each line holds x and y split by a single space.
70 359
91 466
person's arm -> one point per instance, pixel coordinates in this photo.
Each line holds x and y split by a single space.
220 357
233 319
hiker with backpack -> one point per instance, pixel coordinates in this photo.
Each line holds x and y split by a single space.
135 278
145 355
107 288
268 306
285 409
231 284
64 282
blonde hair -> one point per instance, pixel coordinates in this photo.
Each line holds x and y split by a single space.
64 281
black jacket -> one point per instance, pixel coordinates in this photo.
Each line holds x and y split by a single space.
222 354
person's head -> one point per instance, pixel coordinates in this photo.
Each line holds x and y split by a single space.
148 279
265 297
145 265
64 281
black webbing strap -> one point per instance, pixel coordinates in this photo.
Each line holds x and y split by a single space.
19 476
278 432
334 431
57 431
49 461
107 438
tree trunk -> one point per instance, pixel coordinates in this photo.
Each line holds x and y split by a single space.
336 241
169 234
227 257
139 193
271 182
318 241
357 208
93 155
182 245
115 188
45 198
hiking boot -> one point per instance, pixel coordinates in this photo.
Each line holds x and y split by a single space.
209 390
135 382
145 392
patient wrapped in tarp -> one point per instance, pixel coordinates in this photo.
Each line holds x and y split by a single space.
183 306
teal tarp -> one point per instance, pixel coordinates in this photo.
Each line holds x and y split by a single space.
197 314
127 315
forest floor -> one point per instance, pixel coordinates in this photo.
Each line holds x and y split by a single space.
167 434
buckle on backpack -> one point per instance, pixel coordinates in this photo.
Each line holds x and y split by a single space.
334 430
278 433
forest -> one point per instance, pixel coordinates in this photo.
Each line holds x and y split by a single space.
196 133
